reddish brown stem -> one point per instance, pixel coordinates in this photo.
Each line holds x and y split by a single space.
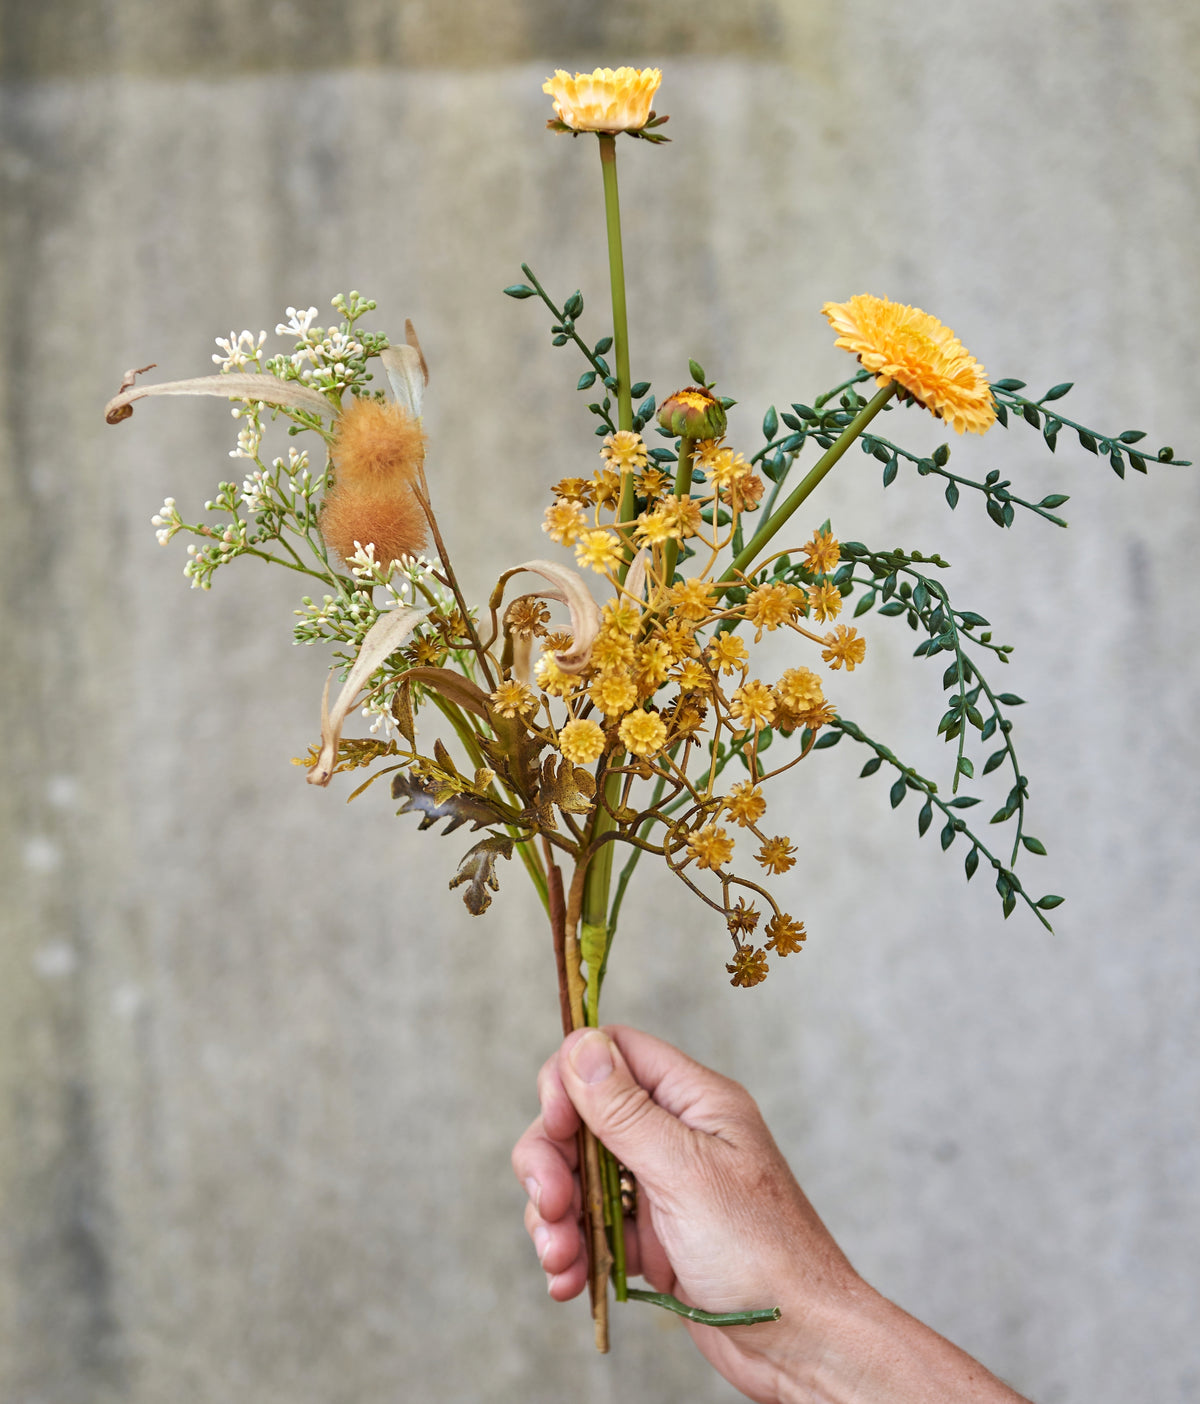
558 929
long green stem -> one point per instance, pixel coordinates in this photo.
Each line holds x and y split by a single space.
683 488
616 276
810 481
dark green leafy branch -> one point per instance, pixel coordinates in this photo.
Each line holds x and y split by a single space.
1001 503
924 602
564 330
1008 884
1119 448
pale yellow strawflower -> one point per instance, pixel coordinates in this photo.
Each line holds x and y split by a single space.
653 664
513 697
710 847
653 528
725 467
565 520
642 733
551 678
599 549
843 645
693 677
799 689
769 606
651 481
581 741
613 693
606 487
745 803
605 100
684 515
692 599
680 641
624 451
923 357
728 653
622 615
823 552
776 855
612 649
824 601
753 705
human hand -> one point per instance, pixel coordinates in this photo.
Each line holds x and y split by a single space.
723 1225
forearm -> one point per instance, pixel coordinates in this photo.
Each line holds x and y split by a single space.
872 1352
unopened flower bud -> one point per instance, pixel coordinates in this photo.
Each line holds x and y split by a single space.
693 413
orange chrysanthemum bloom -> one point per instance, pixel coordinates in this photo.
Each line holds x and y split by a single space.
606 100
921 355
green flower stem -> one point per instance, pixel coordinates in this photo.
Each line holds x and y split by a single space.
614 1215
810 481
705 1318
683 488
616 274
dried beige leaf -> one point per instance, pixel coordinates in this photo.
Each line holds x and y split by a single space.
407 373
571 590
382 639
268 389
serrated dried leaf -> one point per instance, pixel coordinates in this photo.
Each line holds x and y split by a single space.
434 803
568 786
571 590
236 386
478 872
382 639
514 751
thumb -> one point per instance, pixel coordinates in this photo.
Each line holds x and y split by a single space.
620 1112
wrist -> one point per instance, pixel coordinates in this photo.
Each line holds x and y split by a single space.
856 1347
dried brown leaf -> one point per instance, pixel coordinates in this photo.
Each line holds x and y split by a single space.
478 872
432 802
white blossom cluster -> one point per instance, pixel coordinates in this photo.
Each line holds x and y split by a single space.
328 359
240 350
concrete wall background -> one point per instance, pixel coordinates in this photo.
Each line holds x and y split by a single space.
260 1073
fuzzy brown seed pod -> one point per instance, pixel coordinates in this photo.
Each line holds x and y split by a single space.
377 455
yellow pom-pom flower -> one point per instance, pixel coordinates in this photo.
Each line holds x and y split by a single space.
605 100
923 357
642 733
581 741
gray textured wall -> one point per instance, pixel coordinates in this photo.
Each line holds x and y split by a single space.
259 1072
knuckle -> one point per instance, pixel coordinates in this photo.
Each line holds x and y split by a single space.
627 1109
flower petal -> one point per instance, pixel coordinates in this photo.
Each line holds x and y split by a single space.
383 638
237 386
